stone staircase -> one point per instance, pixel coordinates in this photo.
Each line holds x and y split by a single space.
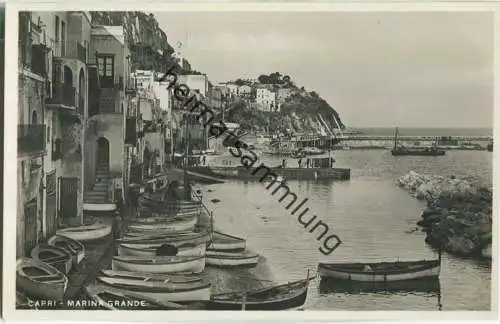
107 101
100 192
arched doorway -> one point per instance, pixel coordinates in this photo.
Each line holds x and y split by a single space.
81 92
102 152
68 77
34 118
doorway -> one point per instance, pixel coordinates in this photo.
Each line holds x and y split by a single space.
102 152
106 66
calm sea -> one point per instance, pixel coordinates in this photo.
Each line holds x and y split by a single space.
426 131
373 218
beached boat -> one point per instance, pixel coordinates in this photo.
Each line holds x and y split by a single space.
232 259
154 241
75 248
313 151
280 297
167 214
162 291
381 271
36 278
87 232
144 276
183 249
133 232
177 225
110 298
329 285
159 264
57 257
23 302
224 242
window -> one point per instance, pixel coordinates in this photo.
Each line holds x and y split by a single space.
57 29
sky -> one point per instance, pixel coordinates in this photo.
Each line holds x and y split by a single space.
377 69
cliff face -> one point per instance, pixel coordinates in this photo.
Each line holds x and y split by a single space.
303 112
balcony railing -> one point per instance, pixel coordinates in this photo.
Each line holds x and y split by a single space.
31 140
63 94
70 49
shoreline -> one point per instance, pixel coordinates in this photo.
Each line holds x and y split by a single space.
458 216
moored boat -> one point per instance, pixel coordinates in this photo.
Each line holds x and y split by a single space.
162 291
87 232
177 225
183 249
280 297
147 241
159 264
36 278
222 242
75 248
381 271
57 257
144 276
232 259
110 298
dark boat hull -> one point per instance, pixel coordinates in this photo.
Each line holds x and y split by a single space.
418 153
294 302
241 173
330 286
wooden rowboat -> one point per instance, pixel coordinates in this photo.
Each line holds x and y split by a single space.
232 259
155 241
53 255
159 264
75 248
381 271
36 278
225 242
184 249
174 277
110 298
180 225
162 291
159 219
86 233
280 297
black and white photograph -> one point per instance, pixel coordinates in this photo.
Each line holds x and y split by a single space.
250 160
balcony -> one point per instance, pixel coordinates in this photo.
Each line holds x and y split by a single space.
63 96
31 140
70 50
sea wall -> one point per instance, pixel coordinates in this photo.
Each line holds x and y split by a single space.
458 216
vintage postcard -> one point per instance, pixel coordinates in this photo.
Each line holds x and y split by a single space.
330 159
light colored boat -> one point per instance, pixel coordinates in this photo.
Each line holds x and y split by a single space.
144 276
131 232
159 264
184 249
160 290
154 241
75 248
162 219
87 232
111 298
180 225
224 242
36 278
154 212
232 259
57 257
381 271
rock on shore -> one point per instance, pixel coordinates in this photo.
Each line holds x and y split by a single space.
458 215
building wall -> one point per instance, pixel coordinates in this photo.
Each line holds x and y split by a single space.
110 45
111 127
195 82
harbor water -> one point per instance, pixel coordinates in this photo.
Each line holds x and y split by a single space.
374 218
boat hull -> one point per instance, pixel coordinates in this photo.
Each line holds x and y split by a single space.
195 265
182 225
226 242
75 248
86 233
49 289
132 250
294 301
417 153
222 259
430 271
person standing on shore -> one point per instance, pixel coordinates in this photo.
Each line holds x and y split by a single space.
308 162
300 163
